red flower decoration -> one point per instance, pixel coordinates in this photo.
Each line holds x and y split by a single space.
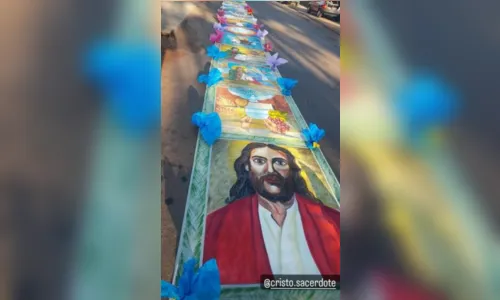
268 47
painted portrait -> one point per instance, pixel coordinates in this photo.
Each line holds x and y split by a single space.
270 211
257 112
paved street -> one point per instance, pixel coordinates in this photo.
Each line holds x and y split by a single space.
313 52
327 22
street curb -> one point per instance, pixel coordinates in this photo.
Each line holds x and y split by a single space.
310 17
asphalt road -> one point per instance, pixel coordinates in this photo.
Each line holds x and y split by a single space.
313 54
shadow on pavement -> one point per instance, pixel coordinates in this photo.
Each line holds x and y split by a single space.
181 97
310 49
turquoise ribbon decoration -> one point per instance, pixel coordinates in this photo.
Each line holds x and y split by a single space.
211 78
210 126
313 135
201 285
214 52
128 76
286 85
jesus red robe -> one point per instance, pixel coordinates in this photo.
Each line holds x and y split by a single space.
233 237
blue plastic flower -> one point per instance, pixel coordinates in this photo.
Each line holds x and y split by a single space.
210 126
426 102
128 75
313 135
214 52
286 85
201 285
168 290
211 78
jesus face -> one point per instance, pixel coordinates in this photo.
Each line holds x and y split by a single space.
270 174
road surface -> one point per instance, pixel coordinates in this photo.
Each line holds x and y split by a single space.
313 54
327 22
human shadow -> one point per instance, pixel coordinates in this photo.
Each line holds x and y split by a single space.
181 137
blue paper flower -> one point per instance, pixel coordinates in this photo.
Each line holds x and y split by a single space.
426 102
214 52
286 85
201 285
313 135
210 126
128 75
168 290
211 78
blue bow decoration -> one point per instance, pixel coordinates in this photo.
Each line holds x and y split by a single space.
211 78
201 285
426 102
214 52
286 85
168 290
128 77
313 135
210 126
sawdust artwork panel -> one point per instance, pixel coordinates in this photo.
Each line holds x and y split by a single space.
245 74
243 54
238 20
252 42
250 185
240 30
256 112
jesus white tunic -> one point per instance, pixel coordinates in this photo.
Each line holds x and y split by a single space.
286 246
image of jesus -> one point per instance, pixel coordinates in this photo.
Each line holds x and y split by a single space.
272 223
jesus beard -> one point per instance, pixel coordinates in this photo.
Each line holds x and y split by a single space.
285 185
